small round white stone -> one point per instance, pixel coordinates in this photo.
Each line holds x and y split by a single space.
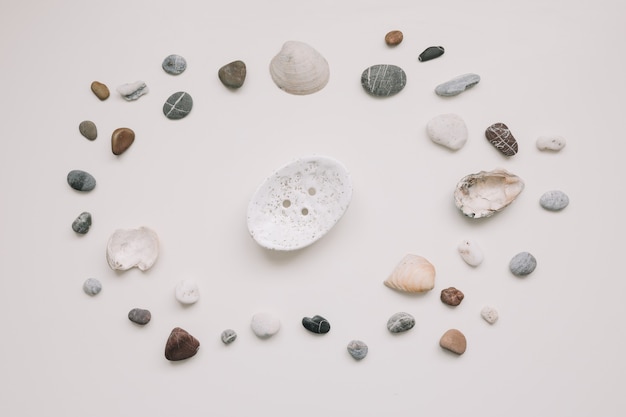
470 252
550 143
490 314
448 130
187 291
265 325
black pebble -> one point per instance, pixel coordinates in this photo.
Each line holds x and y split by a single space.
431 52
316 324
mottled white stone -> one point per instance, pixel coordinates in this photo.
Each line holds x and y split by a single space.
490 314
470 252
265 325
550 143
447 130
187 291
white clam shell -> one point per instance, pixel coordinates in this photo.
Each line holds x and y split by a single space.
413 274
470 252
299 203
299 69
487 192
128 248
187 291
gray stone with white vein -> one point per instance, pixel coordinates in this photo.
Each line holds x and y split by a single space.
383 80
178 105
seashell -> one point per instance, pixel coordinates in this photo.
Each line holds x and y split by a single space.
470 252
132 91
400 322
180 345
299 203
487 192
299 69
128 248
413 274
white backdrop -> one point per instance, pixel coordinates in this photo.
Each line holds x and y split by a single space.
547 67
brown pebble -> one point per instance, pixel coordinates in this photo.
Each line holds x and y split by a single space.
454 341
394 37
100 90
121 139
451 296
180 345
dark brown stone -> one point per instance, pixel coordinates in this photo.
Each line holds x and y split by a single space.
180 345
394 38
121 139
451 296
500 136
454 341
100 90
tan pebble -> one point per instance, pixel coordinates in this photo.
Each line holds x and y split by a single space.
394 38
100 90
454 341
121 139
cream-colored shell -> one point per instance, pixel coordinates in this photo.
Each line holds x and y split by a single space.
299 69
413 274
128 248
487 192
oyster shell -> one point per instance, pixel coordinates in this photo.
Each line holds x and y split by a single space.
413 274
128 248
299 69
487 192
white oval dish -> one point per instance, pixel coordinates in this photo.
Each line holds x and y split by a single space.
299 203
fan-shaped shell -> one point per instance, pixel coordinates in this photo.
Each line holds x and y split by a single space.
128 248
413 274
299 69
487 192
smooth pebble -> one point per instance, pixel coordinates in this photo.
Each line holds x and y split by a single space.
522 264
489 314
400 322
452 296
100 90
316 324
121 139
139 316
470 252
550 143
92 286
228 336
265 325
82 223
447 130
187 292
454 341
178 105
232 75
383 80
132 91
431 52
554 200
500 136
180 345
81 180
357 349
88 129
457 85
394 37
174 64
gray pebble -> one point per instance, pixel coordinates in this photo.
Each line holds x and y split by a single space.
139 316
178 105
88 129
457 85
82 223
92 286
357 349
522 264
400 322
383 80
174 64
554 200
81 180
228 336
233 75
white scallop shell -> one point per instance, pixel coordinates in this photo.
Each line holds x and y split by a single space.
487 192
413 274
299 69
128 248
299 203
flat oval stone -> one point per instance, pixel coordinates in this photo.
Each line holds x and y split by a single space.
489 314
92 286
139 316
88 129
187 292
174 64
233 75
383 80
550 143
228 336
554 200
132 91
454 341
522 264
448 130
400 322
265 325
457 85
451 296
500 136
180 345
178 105
431 52
316 324
470 252
82 223
81 180
357 349
121 139
394 37
100 90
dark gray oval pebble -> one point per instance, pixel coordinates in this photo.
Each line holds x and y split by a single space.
228 336
357 349
81 180
178 105
233 75
383 80
400 322
431 52
174 64
139 316
82 223
92 286
554 200
522 264
316 324
88 129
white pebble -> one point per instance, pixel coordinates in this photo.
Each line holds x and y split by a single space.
265 325
550 143
447 130
187 291
470 252
490 314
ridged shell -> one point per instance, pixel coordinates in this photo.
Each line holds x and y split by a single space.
299 69
487 192
413 274
129 248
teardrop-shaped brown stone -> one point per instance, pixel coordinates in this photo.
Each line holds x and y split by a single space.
121 139
180 345
100 90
